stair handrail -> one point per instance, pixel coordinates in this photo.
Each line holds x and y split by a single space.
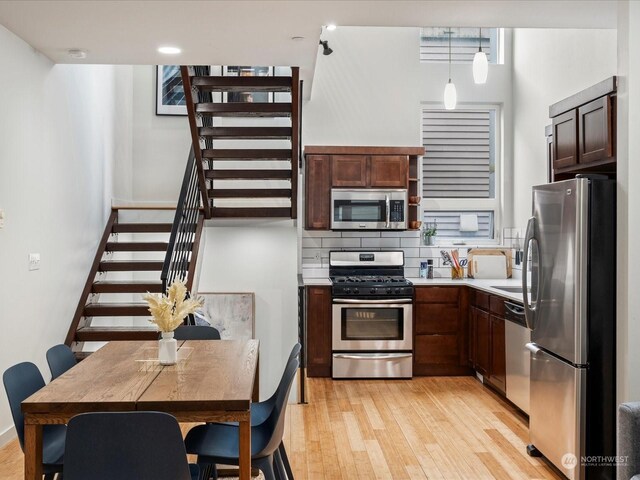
184 242
296 133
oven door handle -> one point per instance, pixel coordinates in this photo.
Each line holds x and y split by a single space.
385 301
383 356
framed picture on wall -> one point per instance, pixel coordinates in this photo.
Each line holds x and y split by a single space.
247 97
170 98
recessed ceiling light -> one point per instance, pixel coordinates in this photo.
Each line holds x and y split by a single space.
331 27
169 50
297 38
77 53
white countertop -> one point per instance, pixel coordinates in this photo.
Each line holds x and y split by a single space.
485 285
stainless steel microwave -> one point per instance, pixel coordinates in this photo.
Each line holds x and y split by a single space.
368 209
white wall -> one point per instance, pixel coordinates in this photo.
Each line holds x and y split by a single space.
260 259
160 143
549 65
59 132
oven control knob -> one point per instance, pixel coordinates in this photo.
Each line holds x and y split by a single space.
389 290
398 290
355 290
373 290
347 290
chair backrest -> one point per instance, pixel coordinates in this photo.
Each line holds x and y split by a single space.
125 446
273 426
60 359
295 351
196 332
20 382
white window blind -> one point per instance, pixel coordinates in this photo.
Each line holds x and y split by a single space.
448 223
434 44
460 153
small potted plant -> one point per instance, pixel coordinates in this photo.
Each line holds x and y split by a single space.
429 230
168 312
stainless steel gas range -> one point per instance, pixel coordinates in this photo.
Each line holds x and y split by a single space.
372 317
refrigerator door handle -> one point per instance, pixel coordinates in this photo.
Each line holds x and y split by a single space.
530 310
532 348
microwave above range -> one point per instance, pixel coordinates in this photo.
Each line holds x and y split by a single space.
368 209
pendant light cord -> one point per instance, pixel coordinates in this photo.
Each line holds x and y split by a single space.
449 54
480 40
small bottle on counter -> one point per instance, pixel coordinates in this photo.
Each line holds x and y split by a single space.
423 269
429 268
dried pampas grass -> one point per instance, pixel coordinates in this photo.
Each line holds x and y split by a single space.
170 310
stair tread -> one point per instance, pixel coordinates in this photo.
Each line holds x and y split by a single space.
104 334
264 174
242 84
136 246
247 133
141 228
251 212
131 265
116 309
251 109
247 153
250 193
126 286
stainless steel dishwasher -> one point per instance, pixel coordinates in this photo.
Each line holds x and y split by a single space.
517 335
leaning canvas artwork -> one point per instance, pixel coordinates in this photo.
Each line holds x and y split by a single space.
232 314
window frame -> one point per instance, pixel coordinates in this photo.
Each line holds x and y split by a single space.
470 204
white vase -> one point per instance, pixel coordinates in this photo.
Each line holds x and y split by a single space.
167 349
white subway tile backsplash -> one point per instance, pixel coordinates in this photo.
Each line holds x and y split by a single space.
341 243
360 234
404 234
410 242
311 243
320 233
315 273
381 242
411 252
429 252
312 252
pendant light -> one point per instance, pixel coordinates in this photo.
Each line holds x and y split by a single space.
450 96
480 65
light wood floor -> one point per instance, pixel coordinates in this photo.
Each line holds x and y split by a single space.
429 427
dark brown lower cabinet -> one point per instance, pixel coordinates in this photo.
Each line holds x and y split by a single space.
487 343
318 331
441 331
498 374
482 341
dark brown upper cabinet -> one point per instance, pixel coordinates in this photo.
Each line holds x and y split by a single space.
565 135
349 171
389 171
584 132
595 129
318 187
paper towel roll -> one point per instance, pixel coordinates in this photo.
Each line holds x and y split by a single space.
468 222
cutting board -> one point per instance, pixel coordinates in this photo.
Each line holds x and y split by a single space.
489 263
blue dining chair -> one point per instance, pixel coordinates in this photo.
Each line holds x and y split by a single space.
218 442
196 332
126 446
60 359
20 382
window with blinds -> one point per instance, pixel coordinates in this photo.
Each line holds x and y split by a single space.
460 153
449 225
434 44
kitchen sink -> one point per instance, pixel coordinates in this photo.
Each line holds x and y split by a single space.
510 289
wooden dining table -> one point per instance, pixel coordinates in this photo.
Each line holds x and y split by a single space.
213 381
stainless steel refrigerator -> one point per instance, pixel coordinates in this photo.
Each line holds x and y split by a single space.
571 314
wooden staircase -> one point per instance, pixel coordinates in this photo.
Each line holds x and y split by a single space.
95 304
247 179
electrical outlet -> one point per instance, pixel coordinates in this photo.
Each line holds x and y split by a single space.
34 261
